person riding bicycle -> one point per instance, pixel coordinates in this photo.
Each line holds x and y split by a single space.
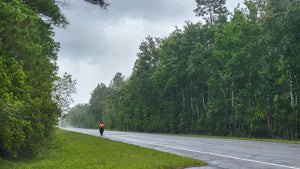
101 127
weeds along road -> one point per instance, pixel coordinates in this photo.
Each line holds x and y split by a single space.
218 153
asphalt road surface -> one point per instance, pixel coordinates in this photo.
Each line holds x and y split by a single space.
218 153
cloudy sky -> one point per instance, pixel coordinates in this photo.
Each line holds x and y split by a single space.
99 43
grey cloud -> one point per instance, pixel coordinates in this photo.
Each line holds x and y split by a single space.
99 43
154 10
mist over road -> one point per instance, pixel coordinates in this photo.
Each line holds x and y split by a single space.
218 153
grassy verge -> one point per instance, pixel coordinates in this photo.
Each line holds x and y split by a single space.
74 150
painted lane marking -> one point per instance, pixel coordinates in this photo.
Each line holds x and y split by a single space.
213 154
201 152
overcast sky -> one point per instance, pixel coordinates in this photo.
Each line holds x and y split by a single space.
99 43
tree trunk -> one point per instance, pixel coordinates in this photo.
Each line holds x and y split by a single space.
192 101
183 99
291 90
203 100
232 106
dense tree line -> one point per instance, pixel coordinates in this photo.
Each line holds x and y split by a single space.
32 95
237 76
89 115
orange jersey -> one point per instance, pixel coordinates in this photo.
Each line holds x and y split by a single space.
101 125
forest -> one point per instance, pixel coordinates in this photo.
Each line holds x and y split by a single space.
32 94
236 74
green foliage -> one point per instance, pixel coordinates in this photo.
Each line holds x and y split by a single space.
16 126
237 77
77 116
15 130
63 89
90 115
49 10
28 70
211 8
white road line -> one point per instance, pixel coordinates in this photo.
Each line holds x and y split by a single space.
202 152
214 154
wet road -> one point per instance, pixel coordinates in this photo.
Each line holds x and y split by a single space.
218 153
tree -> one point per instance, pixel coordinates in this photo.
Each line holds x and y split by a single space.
101 3
237 77
146 96
261 6
48 10
13 93
64 87
291 51
78 116
28 70
278 16
238 47
28 110
116 82
210 8
97 102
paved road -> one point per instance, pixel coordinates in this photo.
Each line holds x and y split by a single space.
218 153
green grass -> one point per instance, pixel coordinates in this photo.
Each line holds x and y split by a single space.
74 150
